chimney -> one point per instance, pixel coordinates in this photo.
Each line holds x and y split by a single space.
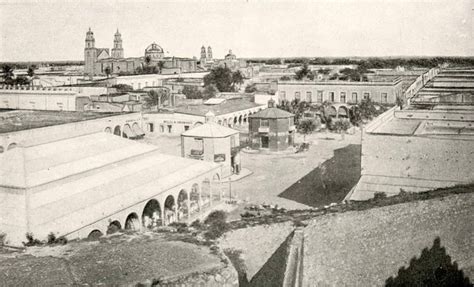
271 103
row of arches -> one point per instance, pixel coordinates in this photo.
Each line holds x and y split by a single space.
239 120
126 131
175 208
9 147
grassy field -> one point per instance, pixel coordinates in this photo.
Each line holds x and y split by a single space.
329 182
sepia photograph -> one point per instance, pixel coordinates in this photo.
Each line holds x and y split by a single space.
237 143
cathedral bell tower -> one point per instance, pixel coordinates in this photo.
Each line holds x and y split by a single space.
90 54
203 55
117 50
209 53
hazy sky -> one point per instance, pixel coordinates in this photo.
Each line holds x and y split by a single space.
55 30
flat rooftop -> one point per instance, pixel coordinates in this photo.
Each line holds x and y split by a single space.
18 120
228 106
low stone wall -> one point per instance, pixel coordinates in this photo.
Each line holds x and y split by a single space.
294 265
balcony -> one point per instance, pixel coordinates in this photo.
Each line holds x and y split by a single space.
264 129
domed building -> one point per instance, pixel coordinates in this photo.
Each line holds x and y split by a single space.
154 51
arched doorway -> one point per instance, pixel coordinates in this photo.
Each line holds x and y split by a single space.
342 112
230 121
332 112
197 124
132 222
114 227
151 216
127 131
108 130
183 203
225 122
236 120
117 131
95 234
170 212
240 119
194 199
245 119
219 122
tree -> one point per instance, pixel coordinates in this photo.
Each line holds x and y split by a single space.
209 92
155 98
8 74
367 109
147 60
223 79
306 127
341 126
107 71
325 111
21 80
304 72
160 66
400 102
192 92
31 71
237 80
285 78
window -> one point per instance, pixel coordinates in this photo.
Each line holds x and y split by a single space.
198 144
308 96
354 97
186 128
151 127
384 98
162 128
283 95
331 96
320 97
366 96
170 127
343 97
298 96
264 123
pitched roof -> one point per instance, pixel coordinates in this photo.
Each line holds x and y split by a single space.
210 130
272 113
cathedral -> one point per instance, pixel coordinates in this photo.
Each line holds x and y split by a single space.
102 61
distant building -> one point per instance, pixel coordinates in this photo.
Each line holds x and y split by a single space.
272 129
99 61
427 145
214 143
385 92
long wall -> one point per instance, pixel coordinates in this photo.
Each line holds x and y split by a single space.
420 82
340 92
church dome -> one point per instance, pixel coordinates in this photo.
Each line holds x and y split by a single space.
154 51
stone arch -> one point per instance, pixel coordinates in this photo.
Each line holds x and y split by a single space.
132 222
332 111
151 215
236 120
225 122
240 120
230 121
1 149
95 234
194 199
108 130
245 119
183 204
219 122
114 227
169 210
117 131
127 131
216 187
12 146
197 124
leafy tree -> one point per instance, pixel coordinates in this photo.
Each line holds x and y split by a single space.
155 98
107 71
285 78
209 92
31 71
325 111
400 102
160 66
306 127
8 74
304 72
147 60
192 92
367 109
123 88
223 79
21 80
324 71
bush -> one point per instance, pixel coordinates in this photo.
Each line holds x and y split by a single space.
181 227
217 224
3 237
380 196
51 238
217 216
31 240
196 224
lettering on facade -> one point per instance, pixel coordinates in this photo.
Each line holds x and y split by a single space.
177 122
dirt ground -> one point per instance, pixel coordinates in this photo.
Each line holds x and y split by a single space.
292 180
118 260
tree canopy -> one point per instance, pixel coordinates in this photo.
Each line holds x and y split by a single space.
304 72
223 79
192 92
155 98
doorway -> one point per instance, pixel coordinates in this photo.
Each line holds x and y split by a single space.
264 140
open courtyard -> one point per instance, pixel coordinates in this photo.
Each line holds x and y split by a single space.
317 177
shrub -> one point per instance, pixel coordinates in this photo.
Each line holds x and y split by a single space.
217 216
196 224
181 227
380 195
217 224
31 240
51 238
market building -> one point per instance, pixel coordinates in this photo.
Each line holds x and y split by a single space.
82 186
272 129
214 143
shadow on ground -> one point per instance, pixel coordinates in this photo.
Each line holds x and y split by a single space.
433 268
330 182
272 272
